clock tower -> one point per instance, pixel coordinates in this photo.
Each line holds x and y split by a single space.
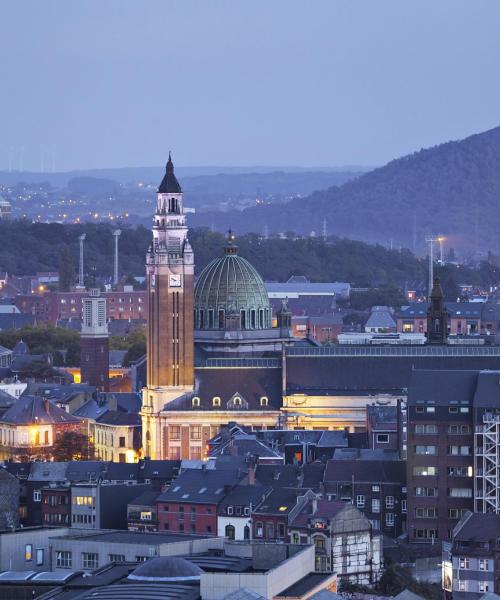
170 339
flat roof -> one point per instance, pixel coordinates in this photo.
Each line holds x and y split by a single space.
130 537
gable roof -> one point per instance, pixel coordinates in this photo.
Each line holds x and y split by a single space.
33 409
442 387
326 509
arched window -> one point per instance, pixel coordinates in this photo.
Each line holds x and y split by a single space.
252 318
230 532
196 401
264 401
246 532
216 401
243 319
221 319
202 320
210 318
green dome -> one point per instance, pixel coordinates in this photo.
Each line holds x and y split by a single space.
230 294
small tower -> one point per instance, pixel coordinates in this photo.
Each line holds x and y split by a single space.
437 315
284 319
94 357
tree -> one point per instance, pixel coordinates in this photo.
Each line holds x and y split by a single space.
73 446
66 270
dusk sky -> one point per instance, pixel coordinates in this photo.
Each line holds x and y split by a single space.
115 83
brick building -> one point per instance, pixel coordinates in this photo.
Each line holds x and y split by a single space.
440 452
190 504
56 506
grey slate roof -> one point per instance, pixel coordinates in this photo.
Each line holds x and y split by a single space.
118 417
48 471
465 310
200 487
34 409
488 390
442 387
366 471
381 320
15 321
480 527
147 498
244 495
365 454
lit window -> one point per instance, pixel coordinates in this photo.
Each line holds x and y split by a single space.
216 401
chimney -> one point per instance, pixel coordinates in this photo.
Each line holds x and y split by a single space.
314 505
251 472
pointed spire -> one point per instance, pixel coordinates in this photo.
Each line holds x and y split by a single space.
230 247
437 290
169 184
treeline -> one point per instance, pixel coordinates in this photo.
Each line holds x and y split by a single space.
27 248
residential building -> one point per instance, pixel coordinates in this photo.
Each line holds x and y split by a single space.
377 487
343 540
142 512
190 503
381 320
117 436
56 506
29 428
471 563
440 458
234 512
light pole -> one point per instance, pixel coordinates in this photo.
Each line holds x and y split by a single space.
430 239
441 239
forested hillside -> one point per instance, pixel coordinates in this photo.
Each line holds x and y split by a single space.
26 248
452 189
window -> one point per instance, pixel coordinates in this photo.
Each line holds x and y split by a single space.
360 501
483 586
427 492
259 529
39 556
462 585
426 429
216 401
246 532
426 513
459 429
196 432
230 532
456 513
463 562
264 401
174 452
28 552
122 441
426 534
459 493
404 506
464 409
270 531
382 438
196 402
453 409
375 505
431 409
146 515
281 530
229 510
209 529
460 471
425 450
419 409
389 501
319 542
483 564
140 558
389 519
63 559
37 496
459 450
375 488
195 452
117 558
175 432
425 471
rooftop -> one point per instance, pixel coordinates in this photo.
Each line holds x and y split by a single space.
108 536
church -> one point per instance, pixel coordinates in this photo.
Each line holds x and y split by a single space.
214 357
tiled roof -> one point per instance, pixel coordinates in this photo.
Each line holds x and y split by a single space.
34 409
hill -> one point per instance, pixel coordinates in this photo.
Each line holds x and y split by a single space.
452 189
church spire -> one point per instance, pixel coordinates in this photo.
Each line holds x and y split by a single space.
437 315
169 184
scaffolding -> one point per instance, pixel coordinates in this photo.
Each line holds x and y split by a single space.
487 467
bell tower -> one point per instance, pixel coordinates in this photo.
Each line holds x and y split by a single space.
170 284
437 315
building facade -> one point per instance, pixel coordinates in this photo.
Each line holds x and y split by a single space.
94 341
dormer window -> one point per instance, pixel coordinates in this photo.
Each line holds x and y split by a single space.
264 401
237 401
216 401
196 402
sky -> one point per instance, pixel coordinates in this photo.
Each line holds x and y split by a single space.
117 83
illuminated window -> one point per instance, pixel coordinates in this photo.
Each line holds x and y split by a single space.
28 552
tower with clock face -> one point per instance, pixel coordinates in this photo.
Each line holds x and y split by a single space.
170 340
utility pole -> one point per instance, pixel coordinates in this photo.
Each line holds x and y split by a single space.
81 239
116 235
